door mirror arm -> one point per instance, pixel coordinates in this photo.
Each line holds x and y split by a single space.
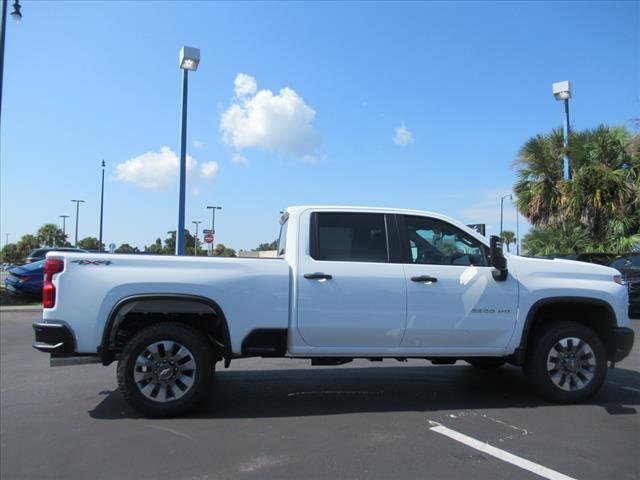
498 261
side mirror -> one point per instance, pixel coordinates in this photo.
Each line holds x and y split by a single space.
498 262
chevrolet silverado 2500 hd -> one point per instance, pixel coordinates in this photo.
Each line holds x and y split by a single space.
347 283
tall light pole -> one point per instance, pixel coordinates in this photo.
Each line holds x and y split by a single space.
64 226
195 247
213 221
502 210
189 60
78 202
101 207
562 92
17 16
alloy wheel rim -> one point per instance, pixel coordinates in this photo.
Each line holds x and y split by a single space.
164 371
571 364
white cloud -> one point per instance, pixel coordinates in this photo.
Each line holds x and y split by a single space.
280 123
402 136
245 85
198 143
160 170
239 159
209 169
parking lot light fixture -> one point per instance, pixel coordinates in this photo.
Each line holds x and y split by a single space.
502 209
64 226
562 93
189 60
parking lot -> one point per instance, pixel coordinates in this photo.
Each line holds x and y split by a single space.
284 419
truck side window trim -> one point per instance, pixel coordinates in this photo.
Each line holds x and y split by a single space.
386 223
407 258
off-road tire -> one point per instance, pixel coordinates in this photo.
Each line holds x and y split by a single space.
199 349
542 357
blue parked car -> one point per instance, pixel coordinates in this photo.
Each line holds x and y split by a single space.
26 280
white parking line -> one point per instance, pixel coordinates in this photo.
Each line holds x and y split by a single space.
498 453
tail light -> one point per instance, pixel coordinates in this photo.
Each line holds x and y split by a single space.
48 288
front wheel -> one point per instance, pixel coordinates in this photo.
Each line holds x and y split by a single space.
165 369
567 363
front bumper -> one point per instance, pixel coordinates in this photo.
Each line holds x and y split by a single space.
53 338
623 342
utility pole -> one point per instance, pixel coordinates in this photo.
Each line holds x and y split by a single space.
195 247
78 202
101 207
64 226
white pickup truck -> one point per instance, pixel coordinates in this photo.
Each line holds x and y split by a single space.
347 283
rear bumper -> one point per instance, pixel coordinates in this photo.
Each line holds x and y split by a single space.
623 342
53 338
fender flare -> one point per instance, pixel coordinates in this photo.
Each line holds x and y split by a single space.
108 334
520 351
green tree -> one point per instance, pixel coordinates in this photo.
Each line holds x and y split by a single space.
90 243
267 246
51 236
508 237
598 209
25 245
221 251
126 248
10 253
155 248
170 242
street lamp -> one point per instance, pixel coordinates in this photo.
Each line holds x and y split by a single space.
78 202
195 247
213 221
101 206
189 60
562 92
502 209
17 16
64 226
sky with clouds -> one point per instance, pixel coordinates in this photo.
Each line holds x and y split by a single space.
411 105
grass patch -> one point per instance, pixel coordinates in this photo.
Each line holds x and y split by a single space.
7 300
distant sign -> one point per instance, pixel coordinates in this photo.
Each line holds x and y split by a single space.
208 238
478 227
208 231
112 247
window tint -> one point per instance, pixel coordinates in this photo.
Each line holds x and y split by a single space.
349 237
436 242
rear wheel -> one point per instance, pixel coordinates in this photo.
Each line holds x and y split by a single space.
165 369
567 363
488 363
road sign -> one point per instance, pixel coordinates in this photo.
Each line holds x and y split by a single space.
207 231
208 238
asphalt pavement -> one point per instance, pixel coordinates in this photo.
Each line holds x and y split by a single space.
284 419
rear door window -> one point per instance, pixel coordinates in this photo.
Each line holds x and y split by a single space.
349 237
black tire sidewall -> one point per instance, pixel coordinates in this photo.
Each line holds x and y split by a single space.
193 340
536 364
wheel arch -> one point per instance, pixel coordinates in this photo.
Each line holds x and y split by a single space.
174 304
602 320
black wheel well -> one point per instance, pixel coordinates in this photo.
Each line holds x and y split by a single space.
597 315
131 315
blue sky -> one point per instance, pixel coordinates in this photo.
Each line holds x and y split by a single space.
466 84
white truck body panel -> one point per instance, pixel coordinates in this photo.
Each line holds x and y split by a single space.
367 309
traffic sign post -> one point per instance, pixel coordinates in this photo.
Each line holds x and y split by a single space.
208 237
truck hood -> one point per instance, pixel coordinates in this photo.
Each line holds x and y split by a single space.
558 268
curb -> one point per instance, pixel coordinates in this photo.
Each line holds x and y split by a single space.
21 308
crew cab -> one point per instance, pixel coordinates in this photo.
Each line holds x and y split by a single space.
347 283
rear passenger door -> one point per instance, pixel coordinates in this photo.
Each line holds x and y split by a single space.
351 293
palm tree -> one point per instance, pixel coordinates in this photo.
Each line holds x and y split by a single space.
508 237
599 208
50 235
